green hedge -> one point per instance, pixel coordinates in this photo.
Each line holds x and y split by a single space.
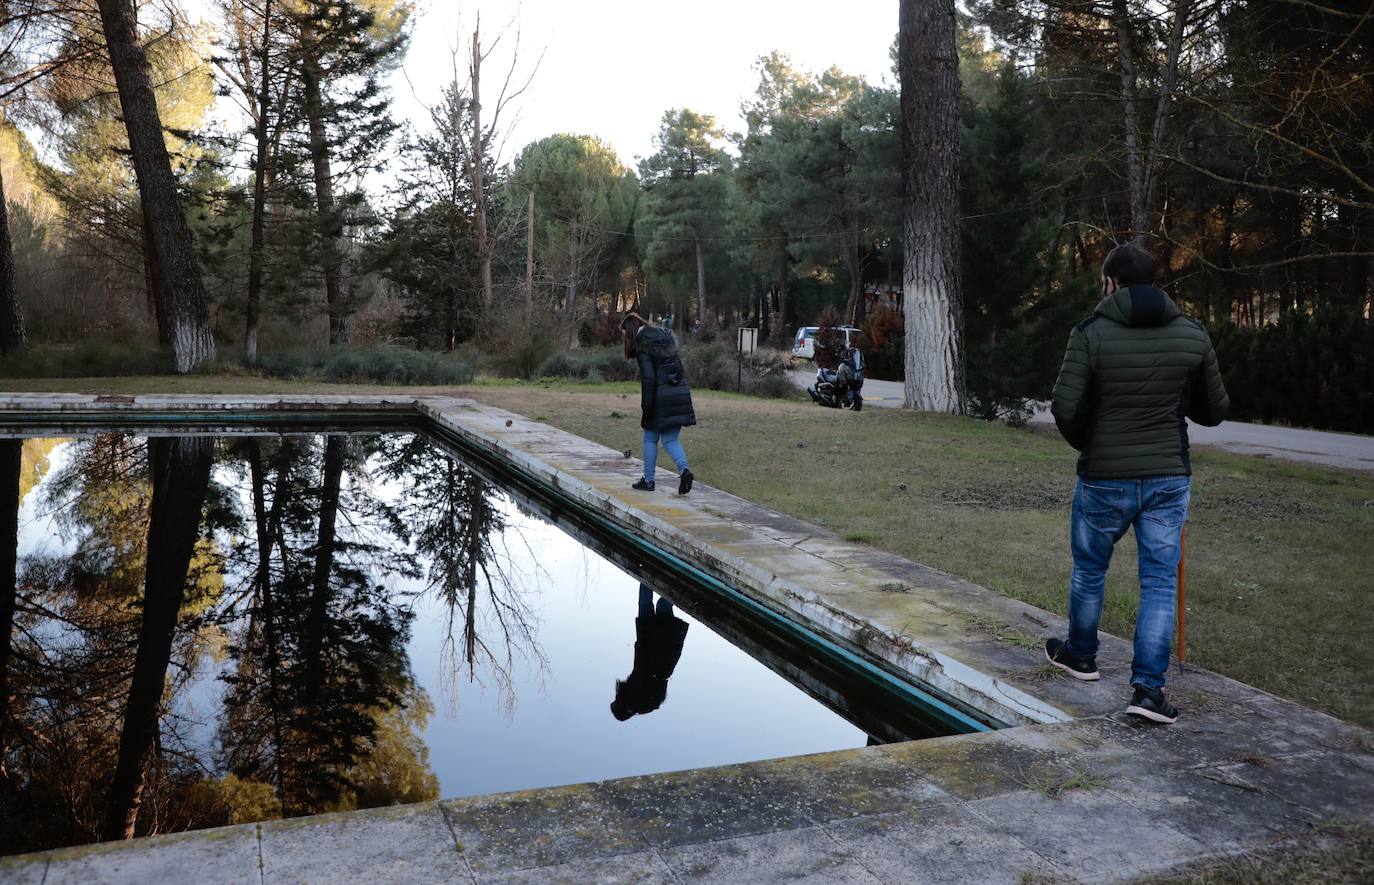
1308 370
380 364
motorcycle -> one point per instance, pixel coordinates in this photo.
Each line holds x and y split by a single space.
839 388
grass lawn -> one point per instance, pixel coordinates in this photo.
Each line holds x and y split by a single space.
1280 555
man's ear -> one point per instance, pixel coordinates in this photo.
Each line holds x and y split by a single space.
1111 284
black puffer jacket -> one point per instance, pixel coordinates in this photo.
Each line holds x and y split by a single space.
665 399
1132 372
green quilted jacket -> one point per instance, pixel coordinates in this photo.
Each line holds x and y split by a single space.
1131 373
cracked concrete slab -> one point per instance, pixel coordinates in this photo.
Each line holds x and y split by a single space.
805 856
406 845
1090 829
937 845
225 856
540 828
641 868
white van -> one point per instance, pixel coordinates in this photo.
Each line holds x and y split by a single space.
804 344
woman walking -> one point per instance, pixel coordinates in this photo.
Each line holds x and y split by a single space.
665 399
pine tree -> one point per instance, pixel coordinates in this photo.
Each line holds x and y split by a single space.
928 65
337 126
178 277
687 186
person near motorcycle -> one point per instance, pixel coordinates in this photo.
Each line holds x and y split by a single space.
851 363
840 387
665 398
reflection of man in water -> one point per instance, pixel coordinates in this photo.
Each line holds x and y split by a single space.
658 645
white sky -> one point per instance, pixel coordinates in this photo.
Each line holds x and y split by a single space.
612 67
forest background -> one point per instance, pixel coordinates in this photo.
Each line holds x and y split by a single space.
1230 138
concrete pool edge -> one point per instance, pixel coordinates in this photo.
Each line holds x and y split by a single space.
1242 768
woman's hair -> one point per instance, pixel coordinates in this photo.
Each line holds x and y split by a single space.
629 328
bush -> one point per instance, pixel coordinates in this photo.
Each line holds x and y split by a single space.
884 343
600 331
999 378
382 364
524 358
715 366
89 359
829 343
1309 370
564 365
591 364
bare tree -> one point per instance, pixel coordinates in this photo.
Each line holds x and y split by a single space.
928 67
483 147
1142 160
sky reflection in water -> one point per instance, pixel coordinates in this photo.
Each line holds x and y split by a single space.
408 697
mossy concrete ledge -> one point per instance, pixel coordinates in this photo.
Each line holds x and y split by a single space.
1075 791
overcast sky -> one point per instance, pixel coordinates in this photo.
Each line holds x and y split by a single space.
612 67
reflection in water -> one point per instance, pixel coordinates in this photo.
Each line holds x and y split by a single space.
460 532
11 458
659 635
207 631
180 471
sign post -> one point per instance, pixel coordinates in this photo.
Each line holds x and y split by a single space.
748 343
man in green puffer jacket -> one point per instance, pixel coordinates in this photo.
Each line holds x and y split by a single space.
1132 372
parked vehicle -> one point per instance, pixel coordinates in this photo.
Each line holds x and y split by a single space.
804 344
840 388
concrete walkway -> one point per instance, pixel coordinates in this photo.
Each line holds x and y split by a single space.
1348 451
1076 791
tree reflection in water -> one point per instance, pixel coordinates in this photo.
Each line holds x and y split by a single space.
457 528
270 561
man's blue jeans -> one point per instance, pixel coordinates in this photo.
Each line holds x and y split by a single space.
1103 509
670 445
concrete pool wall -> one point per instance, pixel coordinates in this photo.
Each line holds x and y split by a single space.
1241 769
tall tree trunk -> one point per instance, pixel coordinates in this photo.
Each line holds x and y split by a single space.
784 329
928 65
529 261
13 336
325 546
855 309
330 223
157 287
1135 158
181 475
188 317
269 528
701 286
478 160
570 287
258 234
1182 9
11 459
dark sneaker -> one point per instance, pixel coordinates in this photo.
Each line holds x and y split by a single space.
684 482
1150 704
643 485
1057 653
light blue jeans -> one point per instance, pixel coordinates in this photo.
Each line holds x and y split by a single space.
1103 509
670 445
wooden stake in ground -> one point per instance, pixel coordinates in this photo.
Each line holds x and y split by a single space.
1182 594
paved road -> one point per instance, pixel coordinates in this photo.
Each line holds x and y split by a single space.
1348 451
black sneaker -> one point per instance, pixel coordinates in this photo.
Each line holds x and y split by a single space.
1057 653
684 482
1149 703
643 485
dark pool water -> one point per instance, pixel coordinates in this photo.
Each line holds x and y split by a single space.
335 622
